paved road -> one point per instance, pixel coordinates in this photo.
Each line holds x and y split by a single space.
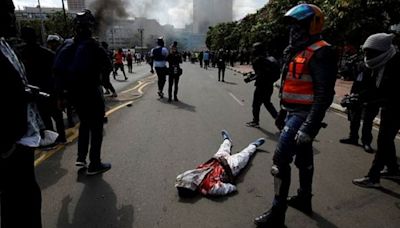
151 142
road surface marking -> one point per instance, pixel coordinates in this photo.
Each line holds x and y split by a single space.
47 154
236 99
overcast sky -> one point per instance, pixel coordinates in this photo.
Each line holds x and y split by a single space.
175 12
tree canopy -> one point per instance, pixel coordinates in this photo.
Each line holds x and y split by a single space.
346 22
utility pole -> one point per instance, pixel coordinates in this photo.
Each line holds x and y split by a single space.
65 19
41 23
141 40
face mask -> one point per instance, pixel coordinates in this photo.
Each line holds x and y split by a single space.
298 35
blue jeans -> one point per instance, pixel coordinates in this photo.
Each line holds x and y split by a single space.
283 157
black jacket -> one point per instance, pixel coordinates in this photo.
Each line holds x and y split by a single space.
323 70
15 102
267 71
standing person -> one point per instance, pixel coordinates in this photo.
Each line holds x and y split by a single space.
105 75
206 58
78 68
200 57
221 58
307 91
175 71
38 62
119 62
53 42
20 195
129 60
149 60
382 58
363 106
267 72
159 55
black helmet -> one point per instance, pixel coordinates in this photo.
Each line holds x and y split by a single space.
84 18
259 49
160 41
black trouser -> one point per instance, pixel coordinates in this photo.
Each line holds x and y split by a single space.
48 109
130 66
356 114
119 66
20 194
386 152
106 82
162 73
173 80
91 115
262 95
221 70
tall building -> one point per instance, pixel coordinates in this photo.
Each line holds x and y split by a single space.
76 5
209 13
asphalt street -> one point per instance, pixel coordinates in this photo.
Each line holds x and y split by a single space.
153 141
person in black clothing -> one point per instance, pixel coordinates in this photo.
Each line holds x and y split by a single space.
38 63
382 58
78 67
20 195
105 75
175 71
365 108
307 91
221 58
266 73
159 56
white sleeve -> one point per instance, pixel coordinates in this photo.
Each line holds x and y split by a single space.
165 52
222 188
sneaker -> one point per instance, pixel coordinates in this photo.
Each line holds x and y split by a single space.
80 163
258 142
96 169
252 124
349 141
226 135
366 182
391 175
368 148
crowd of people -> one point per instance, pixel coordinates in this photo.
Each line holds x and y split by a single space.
72 74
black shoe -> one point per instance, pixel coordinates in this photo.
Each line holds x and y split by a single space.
225 135
301 202
80 163
366 182
391 175
253 124
273 218
169 100
176 99
349 141
258 142
368 148
160 94
98 168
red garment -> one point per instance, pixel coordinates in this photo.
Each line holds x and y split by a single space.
298 87
119 57
213 177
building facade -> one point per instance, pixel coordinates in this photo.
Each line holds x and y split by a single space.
76 5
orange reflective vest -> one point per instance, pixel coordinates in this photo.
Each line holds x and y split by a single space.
298 85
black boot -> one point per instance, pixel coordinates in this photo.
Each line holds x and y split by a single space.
301 202
274 218
350 140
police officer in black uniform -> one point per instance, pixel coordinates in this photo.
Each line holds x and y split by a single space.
78 69
175 71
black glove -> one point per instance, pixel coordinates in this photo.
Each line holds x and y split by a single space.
280 119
